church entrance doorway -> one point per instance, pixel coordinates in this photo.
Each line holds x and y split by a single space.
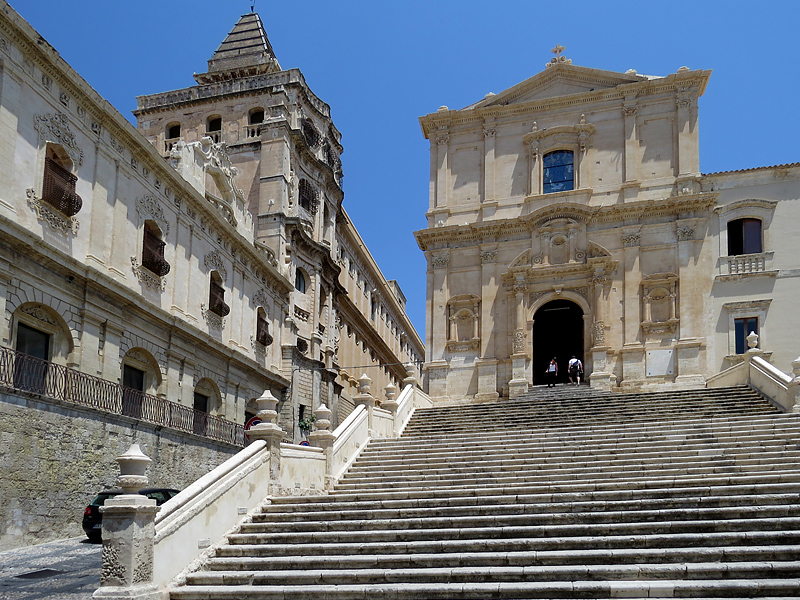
557 331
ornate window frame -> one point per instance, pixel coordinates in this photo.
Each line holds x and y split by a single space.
743 310
659 287
539 142
746 265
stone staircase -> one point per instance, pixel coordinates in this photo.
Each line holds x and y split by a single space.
562 493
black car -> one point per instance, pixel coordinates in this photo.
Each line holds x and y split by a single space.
93 520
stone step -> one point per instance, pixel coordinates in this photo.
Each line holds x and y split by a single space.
503 461
699 588
602 485
418 529
256 561
262 545
516 508
526 518
528 573
594 473
713 493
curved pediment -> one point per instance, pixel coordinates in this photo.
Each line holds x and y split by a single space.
542 217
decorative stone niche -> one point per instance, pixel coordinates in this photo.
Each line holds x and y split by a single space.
463 314
659 303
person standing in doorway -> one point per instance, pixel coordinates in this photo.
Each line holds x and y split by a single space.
575 370
551 373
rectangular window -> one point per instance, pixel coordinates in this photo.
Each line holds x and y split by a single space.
744 237
200 415
743 328
133 391
30 371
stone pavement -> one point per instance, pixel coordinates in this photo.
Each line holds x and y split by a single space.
64 570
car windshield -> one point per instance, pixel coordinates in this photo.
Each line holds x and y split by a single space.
101 498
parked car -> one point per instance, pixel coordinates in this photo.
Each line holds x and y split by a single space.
93 520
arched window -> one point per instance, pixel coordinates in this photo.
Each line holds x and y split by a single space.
58 188
558 171
308 196
300 281
262 328
173 131
310 133
216 296
744 237
214 127
153 250
256 116
205 402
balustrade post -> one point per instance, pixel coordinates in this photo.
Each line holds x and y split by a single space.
269 431
410 378
323 438
794 386
129 535
367 399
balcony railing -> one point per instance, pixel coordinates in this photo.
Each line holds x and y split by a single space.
253 131
153 254
169 143
23 372
743 264
59 189
214 135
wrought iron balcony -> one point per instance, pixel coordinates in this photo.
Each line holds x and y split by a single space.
153 254
262 332
216 301
59 189
28 374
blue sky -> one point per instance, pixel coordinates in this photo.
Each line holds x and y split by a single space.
381 65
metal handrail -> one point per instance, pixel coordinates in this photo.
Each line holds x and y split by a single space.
20 371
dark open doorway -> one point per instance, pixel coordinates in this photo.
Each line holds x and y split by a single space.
557 331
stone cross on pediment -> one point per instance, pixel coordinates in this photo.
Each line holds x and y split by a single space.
558 50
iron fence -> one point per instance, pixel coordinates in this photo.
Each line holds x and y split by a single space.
27 373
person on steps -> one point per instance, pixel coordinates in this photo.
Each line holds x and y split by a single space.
575 370
551 373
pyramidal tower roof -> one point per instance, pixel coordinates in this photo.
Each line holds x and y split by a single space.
245 51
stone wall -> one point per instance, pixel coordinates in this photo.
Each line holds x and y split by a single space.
57 456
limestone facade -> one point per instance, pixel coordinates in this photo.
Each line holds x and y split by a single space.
568 216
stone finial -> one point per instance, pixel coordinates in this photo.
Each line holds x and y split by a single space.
752 340
323 414
132 467
796 367
391 392
364 384
411 376
266 406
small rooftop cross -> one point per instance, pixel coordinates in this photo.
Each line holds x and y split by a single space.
558 50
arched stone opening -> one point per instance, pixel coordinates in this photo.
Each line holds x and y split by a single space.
557 330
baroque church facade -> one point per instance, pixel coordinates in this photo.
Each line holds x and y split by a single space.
568 216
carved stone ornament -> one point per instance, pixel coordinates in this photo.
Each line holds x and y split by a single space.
466 346
519 341
213 320
149 206
215 262
147 277
683 102
442 139
685 234
599 333
54 219
631 240
55 128
440 262
260 298
260 350
38 312
489 131
488 256
629 111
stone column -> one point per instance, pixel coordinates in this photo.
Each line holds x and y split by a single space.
391 405
519 381
688 162
629 110
442 141
632 349
5 325
690 342
112 364
489 132
794 386
91 331
129 535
